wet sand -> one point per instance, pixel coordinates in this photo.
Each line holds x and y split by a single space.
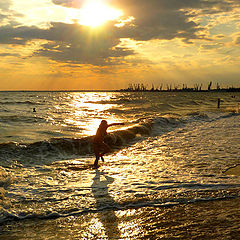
218 220
233 171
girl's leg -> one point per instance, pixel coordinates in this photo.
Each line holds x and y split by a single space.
97 154
96 160
106 149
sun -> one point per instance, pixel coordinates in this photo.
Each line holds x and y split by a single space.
96 12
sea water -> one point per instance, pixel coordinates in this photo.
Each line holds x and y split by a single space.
173 149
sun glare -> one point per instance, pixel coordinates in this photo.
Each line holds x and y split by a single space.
96 12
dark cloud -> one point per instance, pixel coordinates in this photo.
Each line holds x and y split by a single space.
78 44
76 54
149 8
166 19
211 46
9 55
167 26
10 34
69 43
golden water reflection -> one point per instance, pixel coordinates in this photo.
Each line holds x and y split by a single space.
107 223
88 109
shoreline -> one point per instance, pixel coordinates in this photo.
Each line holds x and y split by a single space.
233 170
218 219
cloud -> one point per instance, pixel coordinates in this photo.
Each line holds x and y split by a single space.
70 43
153 19
69 3
4 10
169 19
237 39
211 46
100 54
9 55
81 46
2 16
5 4
8 16
219 36
19 35
162 19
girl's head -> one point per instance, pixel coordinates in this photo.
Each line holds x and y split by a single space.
104 122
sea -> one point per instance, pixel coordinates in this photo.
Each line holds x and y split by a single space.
173 150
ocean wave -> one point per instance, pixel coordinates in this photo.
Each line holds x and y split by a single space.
22 119
198 115
6 215
194 102
119 101
20 103
5 179
68 147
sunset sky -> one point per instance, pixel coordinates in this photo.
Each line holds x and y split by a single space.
107 44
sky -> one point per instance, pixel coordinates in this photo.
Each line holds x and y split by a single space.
109 44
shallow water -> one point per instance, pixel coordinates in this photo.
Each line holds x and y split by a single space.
174 149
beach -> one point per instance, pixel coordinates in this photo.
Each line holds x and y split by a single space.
172 173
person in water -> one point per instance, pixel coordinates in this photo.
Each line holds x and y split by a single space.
99 146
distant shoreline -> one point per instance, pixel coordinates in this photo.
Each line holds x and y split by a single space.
130 90
184 90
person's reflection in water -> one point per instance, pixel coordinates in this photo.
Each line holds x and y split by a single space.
105 204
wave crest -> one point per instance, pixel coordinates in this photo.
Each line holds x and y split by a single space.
67 147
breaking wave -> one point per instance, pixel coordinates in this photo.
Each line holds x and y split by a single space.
6 215
66 148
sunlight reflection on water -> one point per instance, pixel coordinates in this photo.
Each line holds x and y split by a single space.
178 162
86 111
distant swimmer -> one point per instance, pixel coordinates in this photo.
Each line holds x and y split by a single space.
34 109
99 146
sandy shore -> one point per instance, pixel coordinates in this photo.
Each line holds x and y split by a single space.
233 171
216 220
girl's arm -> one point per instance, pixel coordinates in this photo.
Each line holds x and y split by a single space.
115 124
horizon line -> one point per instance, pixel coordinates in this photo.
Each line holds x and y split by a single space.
128 90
